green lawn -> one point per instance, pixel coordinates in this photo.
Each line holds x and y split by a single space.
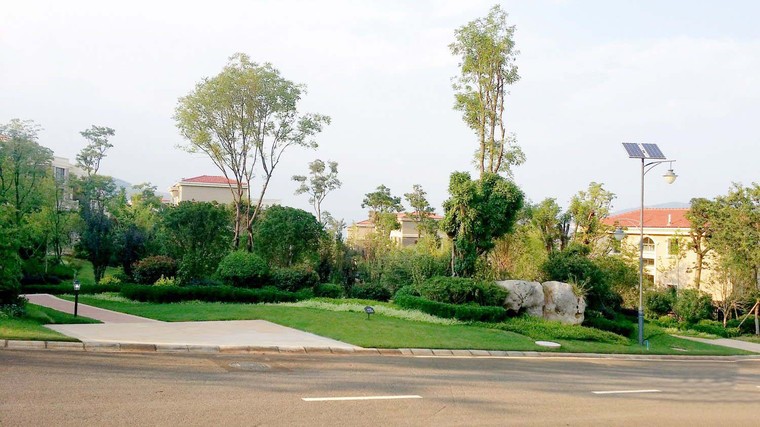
31 326
390 332
86 273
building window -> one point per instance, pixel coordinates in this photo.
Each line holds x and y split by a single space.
648 262
674 246
648 244
60 173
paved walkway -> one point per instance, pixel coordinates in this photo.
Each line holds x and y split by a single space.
127 329
105 316
725 342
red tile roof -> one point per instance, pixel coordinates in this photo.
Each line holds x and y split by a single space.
431 216
209 179
653 218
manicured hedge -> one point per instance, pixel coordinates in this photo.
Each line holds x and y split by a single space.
68 288
328 290
373 291
166 294
461 290
467 313
622 327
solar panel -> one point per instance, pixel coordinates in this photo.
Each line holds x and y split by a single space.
633 150
653 151
643 151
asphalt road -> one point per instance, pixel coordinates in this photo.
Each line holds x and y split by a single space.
74 388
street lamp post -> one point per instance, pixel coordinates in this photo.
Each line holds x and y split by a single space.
76 297
650 156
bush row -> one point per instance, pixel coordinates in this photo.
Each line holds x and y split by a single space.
618 326
168 294
458 290
67 288
467 313
541 329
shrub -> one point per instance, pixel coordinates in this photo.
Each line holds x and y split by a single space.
458 290
573 265
715 328
620 325
61 271
150 269
371 291
328 290
14 309
166 281
541 329
467 313
658 303
692 306
243 269
67 288
109 280
294 278
169 294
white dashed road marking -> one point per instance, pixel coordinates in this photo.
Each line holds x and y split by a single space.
327 399
626 391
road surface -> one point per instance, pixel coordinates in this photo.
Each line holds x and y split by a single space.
75 388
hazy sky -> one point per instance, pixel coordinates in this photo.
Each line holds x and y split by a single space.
682 74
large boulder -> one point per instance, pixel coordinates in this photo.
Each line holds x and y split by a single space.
562 304
524 295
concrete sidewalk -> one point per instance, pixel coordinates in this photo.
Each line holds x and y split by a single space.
120 328
105 316
725 342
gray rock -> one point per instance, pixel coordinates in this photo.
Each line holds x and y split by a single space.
524 295
561 304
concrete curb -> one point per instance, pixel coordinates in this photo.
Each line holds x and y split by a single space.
413 352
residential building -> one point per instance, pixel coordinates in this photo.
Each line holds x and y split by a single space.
63 171
204 188
668 259
406 234
209 188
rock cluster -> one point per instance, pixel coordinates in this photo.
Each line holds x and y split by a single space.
550 300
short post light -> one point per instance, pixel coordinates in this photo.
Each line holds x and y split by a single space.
76 296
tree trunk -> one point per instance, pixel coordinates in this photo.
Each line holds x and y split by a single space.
698 276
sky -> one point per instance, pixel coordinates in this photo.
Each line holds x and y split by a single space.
594 74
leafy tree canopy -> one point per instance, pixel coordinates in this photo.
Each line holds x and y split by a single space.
287 236
478 212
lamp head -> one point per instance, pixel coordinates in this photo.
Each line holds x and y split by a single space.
670 176
619 234
76 285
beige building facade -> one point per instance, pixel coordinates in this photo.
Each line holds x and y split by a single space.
204 188
668 259
406 234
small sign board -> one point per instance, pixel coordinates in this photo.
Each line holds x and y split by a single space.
369 310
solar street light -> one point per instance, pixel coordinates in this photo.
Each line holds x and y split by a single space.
650 156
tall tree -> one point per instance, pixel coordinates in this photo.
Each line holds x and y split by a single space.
477 213
245 118
736 231
288 236
383 208
197 235
421 210
24 166
589 209
701 216
95 151
323 178
97 195
486 51
546 217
